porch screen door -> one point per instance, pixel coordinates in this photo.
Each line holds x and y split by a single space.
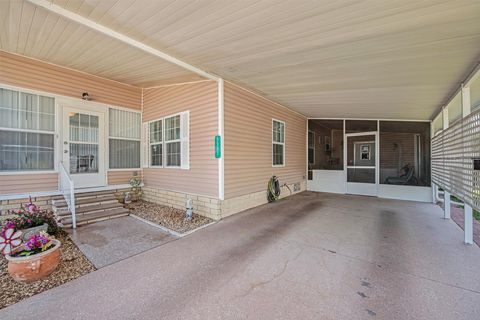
83 147
362 163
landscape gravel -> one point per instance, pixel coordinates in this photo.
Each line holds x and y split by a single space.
168 217
73 264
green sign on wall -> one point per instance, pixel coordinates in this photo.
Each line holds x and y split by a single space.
218 147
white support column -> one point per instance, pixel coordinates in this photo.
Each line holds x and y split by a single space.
446 121
446 195
468 212
468 224
434 193
466 107
447 205
221 124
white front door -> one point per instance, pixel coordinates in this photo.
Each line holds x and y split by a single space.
362 163
84 146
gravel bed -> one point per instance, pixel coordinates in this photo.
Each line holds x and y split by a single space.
73 264
168 217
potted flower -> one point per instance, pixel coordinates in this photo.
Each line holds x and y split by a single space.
30 220
135 182
33 260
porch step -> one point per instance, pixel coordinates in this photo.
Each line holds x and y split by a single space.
95 217
83 202
94 207
89 207
86 195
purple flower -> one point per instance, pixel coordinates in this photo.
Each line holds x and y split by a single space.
36 242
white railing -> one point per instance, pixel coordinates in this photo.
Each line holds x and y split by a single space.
68 191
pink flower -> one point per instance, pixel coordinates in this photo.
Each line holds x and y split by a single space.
30 207
10 240
36 241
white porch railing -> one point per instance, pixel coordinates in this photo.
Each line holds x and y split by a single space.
68 191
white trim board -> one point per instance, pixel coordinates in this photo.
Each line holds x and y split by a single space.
221 130
332 181
411 193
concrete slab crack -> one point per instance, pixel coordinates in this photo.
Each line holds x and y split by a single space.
275 276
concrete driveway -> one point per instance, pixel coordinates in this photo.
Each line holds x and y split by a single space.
311 256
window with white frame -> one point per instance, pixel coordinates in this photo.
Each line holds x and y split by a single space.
124 139
278 143
168 140
27 131
156 143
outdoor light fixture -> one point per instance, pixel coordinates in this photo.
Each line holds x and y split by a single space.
86 96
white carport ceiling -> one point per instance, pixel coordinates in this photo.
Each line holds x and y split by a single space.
365 59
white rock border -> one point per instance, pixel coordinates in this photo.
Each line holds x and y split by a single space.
172 232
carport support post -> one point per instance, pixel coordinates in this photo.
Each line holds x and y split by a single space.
468 212
434 193
446 205
468 224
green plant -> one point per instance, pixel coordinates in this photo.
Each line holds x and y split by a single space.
135 181
476 215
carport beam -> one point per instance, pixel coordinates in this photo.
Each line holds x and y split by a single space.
447 205
468 224
50 6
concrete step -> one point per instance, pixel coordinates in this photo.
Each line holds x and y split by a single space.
84 195
95 216
57 204
90 209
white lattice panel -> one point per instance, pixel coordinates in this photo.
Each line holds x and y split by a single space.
453 151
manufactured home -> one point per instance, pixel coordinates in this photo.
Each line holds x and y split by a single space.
85 107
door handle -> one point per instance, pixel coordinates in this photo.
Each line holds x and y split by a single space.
65 151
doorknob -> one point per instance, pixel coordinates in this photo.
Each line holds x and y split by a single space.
65 142
65 151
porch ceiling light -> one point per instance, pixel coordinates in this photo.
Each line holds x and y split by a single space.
86 96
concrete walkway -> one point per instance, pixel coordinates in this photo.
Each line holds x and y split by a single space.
113 240
310 256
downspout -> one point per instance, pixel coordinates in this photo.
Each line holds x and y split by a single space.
221 160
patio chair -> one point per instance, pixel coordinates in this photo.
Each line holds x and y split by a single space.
404 179
84 163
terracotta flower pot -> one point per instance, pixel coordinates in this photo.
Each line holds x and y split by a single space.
27 233
34 267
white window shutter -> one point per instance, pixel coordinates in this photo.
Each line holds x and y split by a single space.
184 136
146 144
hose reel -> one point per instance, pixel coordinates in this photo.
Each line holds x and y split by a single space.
273 190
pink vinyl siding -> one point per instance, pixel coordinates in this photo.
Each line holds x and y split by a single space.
25 183
201 100
121 177
23 72
248 143
32 74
